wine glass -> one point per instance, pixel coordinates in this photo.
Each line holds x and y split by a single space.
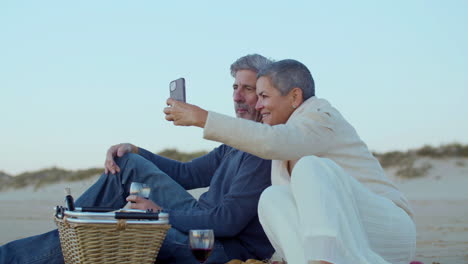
201 243
140 189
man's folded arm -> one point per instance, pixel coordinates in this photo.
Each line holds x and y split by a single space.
236 209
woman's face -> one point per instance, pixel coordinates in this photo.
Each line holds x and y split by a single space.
274 108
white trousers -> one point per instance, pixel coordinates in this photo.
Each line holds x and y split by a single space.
325 214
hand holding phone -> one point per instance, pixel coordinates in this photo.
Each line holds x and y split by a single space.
177 89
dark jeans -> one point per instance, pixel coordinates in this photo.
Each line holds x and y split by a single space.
111 191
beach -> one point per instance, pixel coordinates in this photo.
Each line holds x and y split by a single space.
439 200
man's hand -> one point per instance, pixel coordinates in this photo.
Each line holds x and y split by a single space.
142 203
183 114
117 151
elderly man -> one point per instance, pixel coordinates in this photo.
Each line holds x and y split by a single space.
236 180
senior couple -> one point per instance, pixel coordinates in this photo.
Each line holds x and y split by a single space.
330 201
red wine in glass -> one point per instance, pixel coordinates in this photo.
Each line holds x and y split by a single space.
201 243
201 254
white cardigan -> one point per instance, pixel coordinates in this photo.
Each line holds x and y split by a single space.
315 128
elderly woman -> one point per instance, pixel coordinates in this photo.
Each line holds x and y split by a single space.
330 201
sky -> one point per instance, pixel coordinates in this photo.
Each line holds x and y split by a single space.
79 76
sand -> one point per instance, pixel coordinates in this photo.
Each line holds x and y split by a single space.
439 199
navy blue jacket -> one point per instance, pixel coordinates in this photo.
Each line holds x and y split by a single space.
229 207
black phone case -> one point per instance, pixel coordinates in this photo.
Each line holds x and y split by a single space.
177 89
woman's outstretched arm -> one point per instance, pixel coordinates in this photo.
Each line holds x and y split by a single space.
307 132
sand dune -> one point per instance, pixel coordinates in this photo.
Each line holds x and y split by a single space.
439 199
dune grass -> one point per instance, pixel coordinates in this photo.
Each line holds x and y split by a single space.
52 175
404 161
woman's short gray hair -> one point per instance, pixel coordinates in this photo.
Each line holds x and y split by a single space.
253 62
288 74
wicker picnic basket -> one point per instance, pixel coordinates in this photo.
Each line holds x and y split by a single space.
99 238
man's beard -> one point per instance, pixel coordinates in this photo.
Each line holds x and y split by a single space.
250 114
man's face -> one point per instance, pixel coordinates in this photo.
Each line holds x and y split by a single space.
244 95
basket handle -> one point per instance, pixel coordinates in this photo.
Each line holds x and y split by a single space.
96 209
126 215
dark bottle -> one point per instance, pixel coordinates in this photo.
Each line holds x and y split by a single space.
69 200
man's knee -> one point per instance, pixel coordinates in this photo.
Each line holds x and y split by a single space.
129 164
129 159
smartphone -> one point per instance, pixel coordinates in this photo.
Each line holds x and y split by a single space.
177 89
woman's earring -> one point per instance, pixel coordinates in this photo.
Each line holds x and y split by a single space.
294 106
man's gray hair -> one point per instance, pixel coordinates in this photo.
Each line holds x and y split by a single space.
253 62
288 74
